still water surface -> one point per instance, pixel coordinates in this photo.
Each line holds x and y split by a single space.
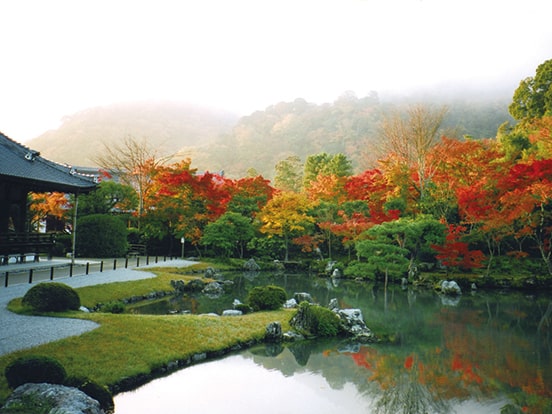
473 355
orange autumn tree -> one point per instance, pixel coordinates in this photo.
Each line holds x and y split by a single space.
183 202
45 205
455 253
526 203
249 195
375 189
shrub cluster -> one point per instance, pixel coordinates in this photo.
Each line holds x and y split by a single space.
52 297
266 297
317 320
115 307
101 235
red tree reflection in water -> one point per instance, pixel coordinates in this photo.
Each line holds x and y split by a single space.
479 355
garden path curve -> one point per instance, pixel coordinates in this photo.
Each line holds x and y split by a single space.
19 332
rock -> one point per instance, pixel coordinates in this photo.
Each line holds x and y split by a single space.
213 288
290 304
450 288
333 305
178 286
336 274
236 302
274 332
251 266
353 324
84 309
330 267
210 273
64 400
292 336
232 312
302 297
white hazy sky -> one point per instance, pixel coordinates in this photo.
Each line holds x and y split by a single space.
61 56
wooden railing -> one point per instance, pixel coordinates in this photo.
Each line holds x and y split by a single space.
19 246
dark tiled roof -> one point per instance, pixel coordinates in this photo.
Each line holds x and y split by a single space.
19 164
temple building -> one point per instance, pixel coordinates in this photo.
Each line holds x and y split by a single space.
22 171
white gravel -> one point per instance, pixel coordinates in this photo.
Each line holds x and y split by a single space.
22 332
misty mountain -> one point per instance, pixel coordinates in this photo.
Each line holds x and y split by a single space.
218 141
349 125
167 127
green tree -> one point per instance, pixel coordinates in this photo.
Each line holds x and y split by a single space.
380 257
415 235
109 197
289 174
230 232
326 164
101 235
533 97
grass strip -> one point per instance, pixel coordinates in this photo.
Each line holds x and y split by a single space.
128 345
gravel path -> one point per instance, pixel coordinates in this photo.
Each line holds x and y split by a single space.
21 332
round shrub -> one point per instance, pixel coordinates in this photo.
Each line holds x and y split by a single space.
101 235
52 297
35 369
93 390
266 297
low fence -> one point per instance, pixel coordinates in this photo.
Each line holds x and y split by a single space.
39 273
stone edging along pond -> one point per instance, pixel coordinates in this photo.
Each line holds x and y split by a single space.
135 381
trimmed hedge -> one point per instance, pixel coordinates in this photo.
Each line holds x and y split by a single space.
52 297
101 235
266 297
34 369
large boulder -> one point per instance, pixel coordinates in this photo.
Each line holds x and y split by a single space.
450 288
353 324
62 399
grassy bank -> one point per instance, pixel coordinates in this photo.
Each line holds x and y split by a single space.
134 346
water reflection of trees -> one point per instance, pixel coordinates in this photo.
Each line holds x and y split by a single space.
487 346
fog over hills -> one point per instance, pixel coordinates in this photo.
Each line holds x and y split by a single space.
166 126
218 140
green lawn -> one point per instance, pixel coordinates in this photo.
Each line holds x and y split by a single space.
126 345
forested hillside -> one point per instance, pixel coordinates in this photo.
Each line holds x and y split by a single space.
349 125
217 141
167 127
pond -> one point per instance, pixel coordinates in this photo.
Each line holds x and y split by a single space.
477 354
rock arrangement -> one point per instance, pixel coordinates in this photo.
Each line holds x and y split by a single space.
352 322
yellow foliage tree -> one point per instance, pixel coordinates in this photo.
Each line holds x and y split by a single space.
285 215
